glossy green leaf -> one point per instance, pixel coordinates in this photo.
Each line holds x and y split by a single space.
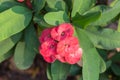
104 38
55 18
13 21
84 20
81 6
7 44
38 5
108 15
59 71
56 5
6 55
91 59
26 51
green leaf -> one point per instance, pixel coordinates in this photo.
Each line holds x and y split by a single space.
59 71
55 18
75 70
108 63
7 44
38 5
91 59
99 8
6 55
116 69
13 21
85 20
108 15
104 38
26 51
81 6
39 19
102 65
49 76
6 4
56 5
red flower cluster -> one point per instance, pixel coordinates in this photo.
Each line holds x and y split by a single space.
59 43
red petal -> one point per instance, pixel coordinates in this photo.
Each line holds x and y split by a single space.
73 58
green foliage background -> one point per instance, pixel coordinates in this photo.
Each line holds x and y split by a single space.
20 28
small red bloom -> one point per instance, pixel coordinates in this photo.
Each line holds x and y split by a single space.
20 0
48 48
73 58
68 45
45 35
62 31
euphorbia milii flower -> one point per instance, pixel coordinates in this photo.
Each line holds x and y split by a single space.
45 35
48 48
62 31
68 45
69 51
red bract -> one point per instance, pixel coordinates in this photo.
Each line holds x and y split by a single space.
20 0
62 31
59 43
68 45
69 51
45 35
48 48
73 58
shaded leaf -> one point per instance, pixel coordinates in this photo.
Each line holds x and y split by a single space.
116 69
7 44
59 71
6 4
26 51
38 5
6 55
